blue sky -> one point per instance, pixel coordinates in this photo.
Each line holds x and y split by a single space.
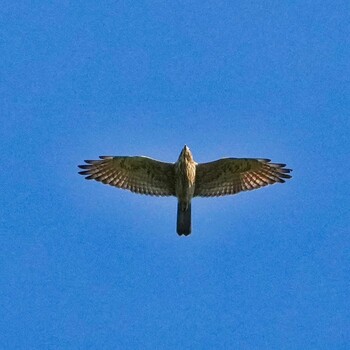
87 266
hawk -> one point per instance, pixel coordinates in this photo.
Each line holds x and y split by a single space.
185 178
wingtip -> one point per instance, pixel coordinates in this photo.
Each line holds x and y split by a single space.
285 170
84 166
264 160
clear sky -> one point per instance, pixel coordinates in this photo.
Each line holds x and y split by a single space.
88 266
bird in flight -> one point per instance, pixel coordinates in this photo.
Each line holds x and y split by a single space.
185 178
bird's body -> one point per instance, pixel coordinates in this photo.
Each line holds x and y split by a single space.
185 176
185 179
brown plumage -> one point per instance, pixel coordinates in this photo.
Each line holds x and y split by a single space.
185 179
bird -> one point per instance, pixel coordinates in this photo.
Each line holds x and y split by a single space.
185 179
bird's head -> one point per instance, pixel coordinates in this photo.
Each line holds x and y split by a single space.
186 154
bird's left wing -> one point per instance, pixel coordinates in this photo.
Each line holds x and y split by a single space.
232 175
138 174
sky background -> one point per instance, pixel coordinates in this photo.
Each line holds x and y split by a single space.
88 266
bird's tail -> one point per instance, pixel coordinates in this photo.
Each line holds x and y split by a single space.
183 219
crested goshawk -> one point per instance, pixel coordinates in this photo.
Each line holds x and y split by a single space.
185 179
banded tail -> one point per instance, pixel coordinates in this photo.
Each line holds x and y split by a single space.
183 219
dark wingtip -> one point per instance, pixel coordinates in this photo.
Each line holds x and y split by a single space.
285 176
90 161
284 170
84 166
85 172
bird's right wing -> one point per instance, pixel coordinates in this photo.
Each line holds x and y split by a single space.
232 175
138 174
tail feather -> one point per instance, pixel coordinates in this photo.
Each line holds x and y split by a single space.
183 219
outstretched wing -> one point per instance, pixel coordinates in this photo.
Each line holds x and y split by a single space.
137 174
233 175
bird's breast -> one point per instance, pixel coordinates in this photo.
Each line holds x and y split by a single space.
185 180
